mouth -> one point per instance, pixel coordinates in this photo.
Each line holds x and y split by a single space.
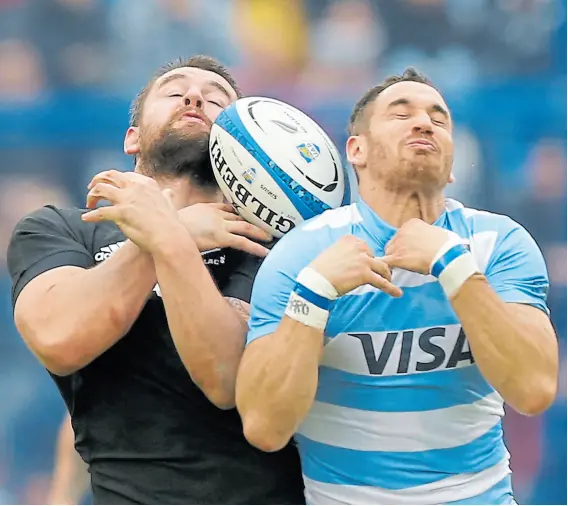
193 117
422 144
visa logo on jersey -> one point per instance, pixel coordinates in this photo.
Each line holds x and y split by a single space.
404 352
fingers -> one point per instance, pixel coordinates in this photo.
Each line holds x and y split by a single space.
244 244
380 267
243 228
226 211
223 206
109 213
384 285
102 191
381 277
227 216
114 177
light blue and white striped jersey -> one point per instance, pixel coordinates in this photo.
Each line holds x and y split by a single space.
402 414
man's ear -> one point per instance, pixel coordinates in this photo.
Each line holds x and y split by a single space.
131 146
357 151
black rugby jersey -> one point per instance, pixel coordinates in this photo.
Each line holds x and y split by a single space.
149 435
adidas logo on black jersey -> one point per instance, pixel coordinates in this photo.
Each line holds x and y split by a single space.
107 251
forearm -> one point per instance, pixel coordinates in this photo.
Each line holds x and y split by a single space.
277 383
513 352
208 333
88 311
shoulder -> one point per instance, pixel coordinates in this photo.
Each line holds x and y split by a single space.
321 231
50 218
489 234
304 243
45 239
479 220
335 221
503 230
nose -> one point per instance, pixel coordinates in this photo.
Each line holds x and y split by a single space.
193 98
423 124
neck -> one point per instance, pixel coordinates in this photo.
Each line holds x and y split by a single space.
398 207
185 192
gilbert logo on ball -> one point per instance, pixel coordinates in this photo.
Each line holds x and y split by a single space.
275 164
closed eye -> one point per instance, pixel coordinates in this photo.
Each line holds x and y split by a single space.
215 103
175 95
402 116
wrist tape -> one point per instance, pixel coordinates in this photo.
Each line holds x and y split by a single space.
453 265
311 299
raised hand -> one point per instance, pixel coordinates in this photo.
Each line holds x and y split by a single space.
138 207
217 226
350 263
415 245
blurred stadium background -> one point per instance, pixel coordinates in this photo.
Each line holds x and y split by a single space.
69 68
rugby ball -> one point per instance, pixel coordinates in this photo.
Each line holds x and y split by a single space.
275 164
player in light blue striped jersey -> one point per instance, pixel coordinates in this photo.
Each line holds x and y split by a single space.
357 344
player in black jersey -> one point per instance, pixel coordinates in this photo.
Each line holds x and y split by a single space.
121 302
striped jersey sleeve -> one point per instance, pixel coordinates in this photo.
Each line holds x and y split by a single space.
516 270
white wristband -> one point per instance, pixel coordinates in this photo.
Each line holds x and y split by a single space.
453 265
453 240
457 273
317 283
306 312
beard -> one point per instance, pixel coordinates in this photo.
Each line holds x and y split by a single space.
398 171
174 153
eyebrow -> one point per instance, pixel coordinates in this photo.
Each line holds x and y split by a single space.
220 87
175 77
434 107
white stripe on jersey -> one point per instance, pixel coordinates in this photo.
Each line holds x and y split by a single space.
481 244
335 218
364 430
440 492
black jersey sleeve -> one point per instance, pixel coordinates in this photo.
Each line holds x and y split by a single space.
241 279
44 240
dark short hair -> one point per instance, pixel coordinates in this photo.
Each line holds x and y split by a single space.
409 74
199 62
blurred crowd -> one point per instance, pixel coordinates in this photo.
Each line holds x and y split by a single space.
69 68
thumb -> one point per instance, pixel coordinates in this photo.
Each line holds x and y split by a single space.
170 197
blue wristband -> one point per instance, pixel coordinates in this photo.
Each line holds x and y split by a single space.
314 298
447 258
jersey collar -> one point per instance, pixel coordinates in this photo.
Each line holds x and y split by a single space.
380 230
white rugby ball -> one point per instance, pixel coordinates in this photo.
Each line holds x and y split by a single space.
275 164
